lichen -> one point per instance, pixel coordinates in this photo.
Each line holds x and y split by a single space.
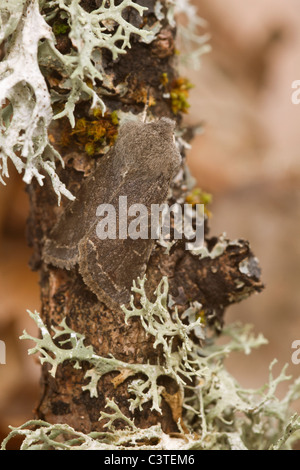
27 112
211 409
32 54
46 436
93 135
40 435
10 14
177 92
192 43
198 196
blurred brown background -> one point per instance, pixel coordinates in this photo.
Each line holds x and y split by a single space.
248 157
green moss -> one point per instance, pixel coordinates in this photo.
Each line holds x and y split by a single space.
89 148
92 135
114 118
177 91
60 27
164 79
179 95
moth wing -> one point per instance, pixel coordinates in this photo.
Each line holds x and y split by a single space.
61 246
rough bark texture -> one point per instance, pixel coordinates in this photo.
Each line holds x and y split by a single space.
212 282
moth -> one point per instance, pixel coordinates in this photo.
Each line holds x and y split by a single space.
140 166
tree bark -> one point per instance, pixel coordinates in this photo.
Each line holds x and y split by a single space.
214 282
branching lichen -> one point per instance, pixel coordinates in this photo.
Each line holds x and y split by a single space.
192 44
95 135
26 105
27 111
177 92
90 33
40 435
10 14
211 409
157 321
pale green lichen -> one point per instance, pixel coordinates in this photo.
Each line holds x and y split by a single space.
157 321
90 33
26 104
218 249
46 436
216 412
192 43
164 326
78 352
27 112
10 14
291 433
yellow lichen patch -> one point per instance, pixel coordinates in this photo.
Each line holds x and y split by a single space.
197 196
177 91
121 377
93 135
164 79
114 118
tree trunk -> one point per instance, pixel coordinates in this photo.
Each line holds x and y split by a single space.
215 282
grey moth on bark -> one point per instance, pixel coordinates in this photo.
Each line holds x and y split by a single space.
139 168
